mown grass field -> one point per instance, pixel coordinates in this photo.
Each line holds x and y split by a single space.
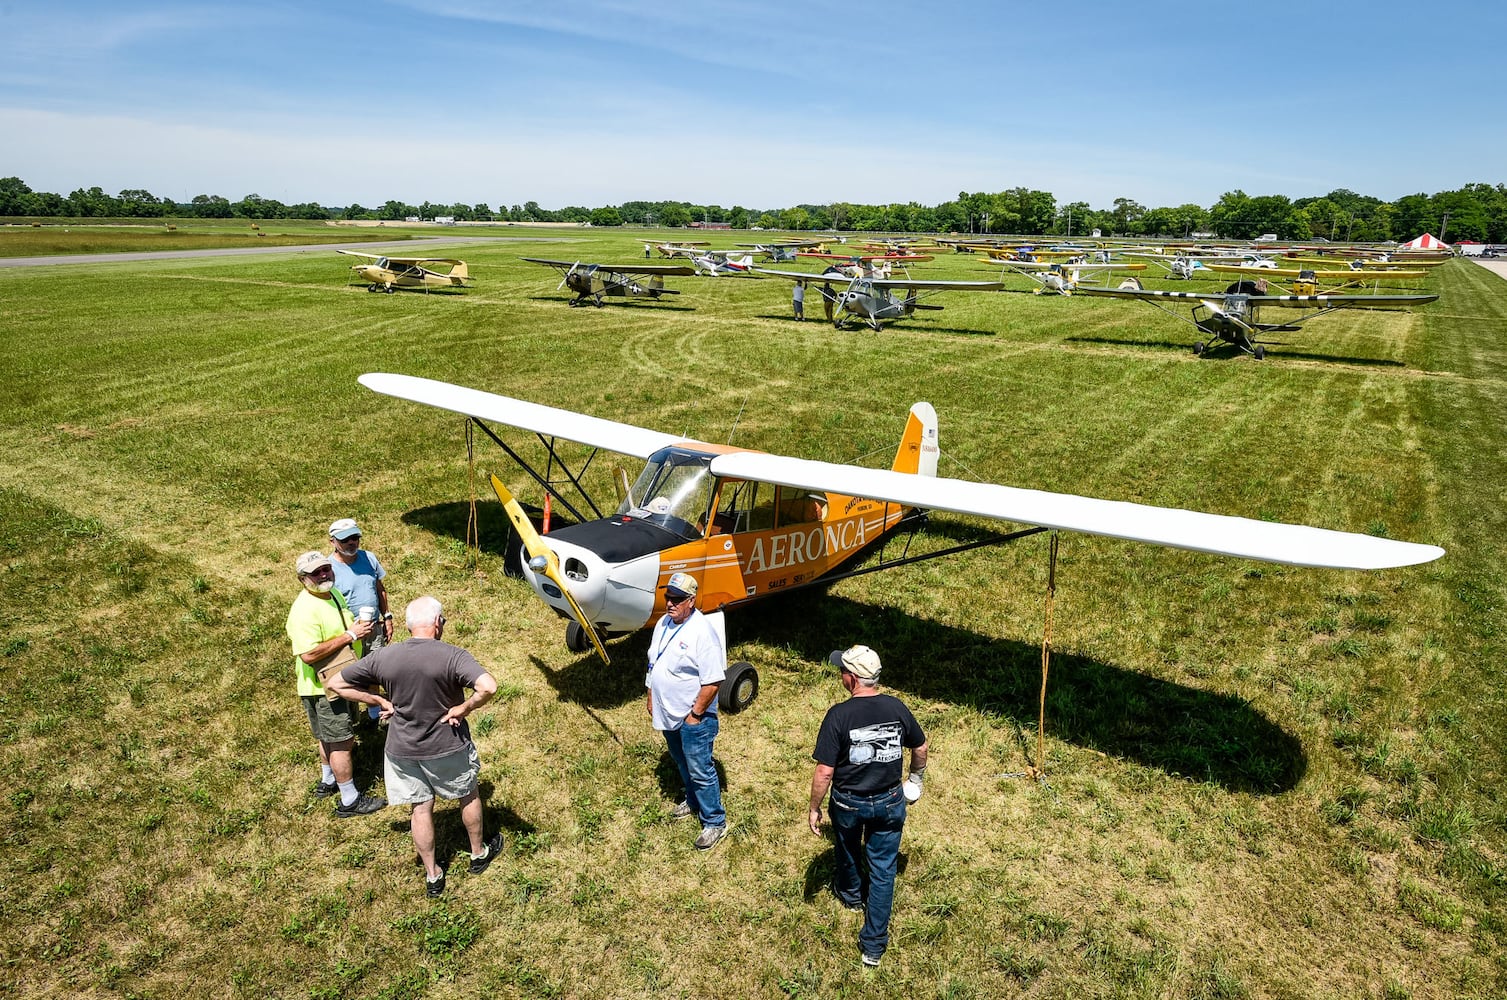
1263 781
22 238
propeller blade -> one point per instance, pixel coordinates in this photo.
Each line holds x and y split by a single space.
567 275
536 549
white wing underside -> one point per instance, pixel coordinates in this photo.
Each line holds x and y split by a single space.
1292 544
546 420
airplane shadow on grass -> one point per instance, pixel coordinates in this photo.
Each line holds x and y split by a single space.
1222 350
615 300
1184 731
858 326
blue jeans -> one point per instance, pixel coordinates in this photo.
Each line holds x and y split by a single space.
691 748
869 827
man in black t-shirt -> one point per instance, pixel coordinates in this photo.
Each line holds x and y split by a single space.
858 755
429 750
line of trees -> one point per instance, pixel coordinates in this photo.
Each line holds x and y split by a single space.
1475 211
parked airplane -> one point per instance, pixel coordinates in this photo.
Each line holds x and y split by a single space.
748 524
1233 317
388 274
874 300
592 282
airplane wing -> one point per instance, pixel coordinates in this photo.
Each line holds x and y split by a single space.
828 279
1292 544
548 421
1282 301
358 253
623 269
843 279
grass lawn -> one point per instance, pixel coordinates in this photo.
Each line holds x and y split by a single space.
1263 781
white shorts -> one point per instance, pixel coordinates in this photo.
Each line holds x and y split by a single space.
452 776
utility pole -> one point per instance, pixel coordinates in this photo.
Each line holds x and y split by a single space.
1443 224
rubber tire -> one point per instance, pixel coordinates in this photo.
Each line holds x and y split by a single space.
739 688
1199 348
1259 352
576 639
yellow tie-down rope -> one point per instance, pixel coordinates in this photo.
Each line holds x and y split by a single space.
1038 770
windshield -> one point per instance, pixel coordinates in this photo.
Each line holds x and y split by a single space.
674 490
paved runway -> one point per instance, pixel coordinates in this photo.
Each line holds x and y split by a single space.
398 247
1499 266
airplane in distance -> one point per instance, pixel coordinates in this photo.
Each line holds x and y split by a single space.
875 300
592 283
1233 317
716 263
388 274
749 524
1060 279
783 252
1310 281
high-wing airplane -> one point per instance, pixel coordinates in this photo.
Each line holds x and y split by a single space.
1233 316
1060 279
715 263
388 274
874 300
785 251
747 524
593 282
668 249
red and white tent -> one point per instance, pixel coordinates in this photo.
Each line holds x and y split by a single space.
1428 241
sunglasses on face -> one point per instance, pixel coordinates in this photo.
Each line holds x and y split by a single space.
320 573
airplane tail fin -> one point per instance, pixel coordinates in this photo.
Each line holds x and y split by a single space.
459 271
918 445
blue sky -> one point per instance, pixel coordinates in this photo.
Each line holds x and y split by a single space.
764 105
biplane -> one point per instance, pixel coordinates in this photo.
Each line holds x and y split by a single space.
749 524
1233 317
594 282
388 274
876 301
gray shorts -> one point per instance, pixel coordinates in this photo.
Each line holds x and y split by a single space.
452 776
329 721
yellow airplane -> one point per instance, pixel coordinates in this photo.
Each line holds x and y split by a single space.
388 274
1308 281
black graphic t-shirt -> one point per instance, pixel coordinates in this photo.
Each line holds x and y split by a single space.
862 740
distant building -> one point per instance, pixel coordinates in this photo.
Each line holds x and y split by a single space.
445 220
711 225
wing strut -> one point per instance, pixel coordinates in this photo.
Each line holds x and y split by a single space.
547 483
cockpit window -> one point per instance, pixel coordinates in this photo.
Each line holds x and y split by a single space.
674 491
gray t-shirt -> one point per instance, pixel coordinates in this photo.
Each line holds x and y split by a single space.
424 678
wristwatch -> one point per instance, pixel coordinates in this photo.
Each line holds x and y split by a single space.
387 616
698 716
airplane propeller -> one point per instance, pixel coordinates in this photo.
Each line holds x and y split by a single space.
567 275
542 559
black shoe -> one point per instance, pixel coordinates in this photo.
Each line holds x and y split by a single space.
325 789
434 886
479 865
363 805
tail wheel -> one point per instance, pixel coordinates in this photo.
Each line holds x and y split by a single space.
739 688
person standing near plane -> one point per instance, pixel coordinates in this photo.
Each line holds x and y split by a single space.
687 663
858 757
429 748
358 576
798 301
320 626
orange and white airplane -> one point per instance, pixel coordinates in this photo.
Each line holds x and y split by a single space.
747 524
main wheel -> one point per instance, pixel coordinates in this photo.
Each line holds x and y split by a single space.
1199 348
576 639
739 688
1259 352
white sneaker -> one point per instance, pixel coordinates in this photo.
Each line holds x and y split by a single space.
709 837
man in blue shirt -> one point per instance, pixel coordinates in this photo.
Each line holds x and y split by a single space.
358 576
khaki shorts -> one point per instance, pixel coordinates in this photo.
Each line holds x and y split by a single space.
452 776
329 721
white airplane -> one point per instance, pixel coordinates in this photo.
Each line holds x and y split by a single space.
747 524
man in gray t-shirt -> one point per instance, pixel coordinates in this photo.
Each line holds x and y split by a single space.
429 750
